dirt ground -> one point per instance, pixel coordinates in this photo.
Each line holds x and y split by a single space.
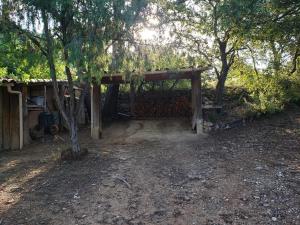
158 172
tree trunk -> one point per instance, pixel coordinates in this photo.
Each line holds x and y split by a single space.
220 88
69 115
74 140
222 76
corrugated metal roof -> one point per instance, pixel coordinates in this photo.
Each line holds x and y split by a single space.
32 81
6 80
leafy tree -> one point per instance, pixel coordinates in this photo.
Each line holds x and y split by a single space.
203 28
275 24
217 30
81 31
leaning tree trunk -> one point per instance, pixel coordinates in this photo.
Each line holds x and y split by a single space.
227 59
220 88
69 114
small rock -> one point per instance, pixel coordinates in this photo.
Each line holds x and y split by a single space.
274 219
258 168
209 124
80 217
186 198
177 213
76 196
279 174
9 201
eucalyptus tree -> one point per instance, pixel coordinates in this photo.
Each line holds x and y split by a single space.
81 31
271 30
273 25
282 32
203 28
19 59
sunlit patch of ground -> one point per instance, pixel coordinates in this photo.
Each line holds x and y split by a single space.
11 190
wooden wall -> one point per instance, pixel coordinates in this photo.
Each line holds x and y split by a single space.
9 114
38 90
9 122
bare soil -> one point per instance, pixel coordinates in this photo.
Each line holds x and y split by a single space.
159 172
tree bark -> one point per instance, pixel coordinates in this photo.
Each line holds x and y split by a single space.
220 88
227 59
69 114
76 151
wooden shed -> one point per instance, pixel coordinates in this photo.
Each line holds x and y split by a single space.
22 103
192 74
17 117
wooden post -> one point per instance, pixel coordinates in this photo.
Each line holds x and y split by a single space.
6 121
14 122
197 120
96 120
61 90
45 98
132 98
26 135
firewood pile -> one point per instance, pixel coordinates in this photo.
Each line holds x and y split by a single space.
163 104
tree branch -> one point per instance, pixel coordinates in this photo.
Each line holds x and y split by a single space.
52 68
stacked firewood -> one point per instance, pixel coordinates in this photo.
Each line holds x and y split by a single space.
163 104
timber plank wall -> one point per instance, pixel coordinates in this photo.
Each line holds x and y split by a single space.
9 120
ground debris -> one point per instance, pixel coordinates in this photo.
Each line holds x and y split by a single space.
245 175
120 178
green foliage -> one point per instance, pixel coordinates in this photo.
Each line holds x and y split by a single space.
92 37
19 60
3 72
153 57
268 92
81 33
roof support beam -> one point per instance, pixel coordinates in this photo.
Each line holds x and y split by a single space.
155 75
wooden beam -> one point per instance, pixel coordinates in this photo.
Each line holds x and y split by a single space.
26 135
197 120
96 120
115 79
168 75
155 75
